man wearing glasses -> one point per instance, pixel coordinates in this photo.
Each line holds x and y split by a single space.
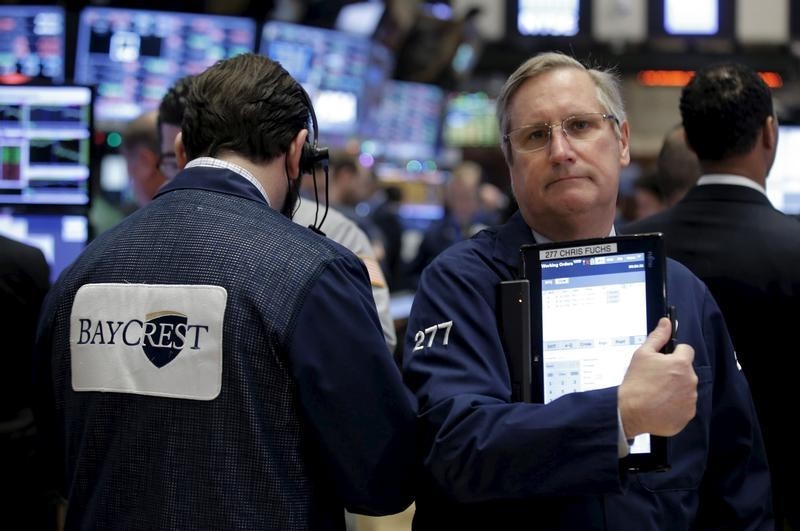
490 463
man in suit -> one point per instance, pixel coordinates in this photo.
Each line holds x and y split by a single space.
140 148
24 280
208 363
748 253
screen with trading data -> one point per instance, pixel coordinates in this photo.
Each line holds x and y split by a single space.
31 44
135 56
341 72
406 124
45 144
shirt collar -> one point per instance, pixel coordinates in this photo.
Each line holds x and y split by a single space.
211 162
729 179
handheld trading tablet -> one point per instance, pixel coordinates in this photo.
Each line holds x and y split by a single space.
592 303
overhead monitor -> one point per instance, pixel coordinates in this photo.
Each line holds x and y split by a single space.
406 124
31 44
45 144
470 121
692 18
61 237
360 18
134 56
548 18
334 67
783 181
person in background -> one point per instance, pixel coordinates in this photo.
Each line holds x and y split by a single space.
647 195
461 220
24 281
208 363
677 166
170 115
141 149
728 233
489 463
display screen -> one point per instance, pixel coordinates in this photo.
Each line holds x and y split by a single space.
691 17
340 72
45 144
31 44
60 237
608 296
546 17
783 181
470 120
405 125
135 56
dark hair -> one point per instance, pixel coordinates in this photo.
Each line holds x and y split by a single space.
170 110
723 107
343 162
678 167
248 105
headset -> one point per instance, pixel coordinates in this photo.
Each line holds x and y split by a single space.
311 156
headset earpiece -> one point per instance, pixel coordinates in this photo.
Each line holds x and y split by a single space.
311 154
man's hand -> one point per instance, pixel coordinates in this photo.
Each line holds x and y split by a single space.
659 392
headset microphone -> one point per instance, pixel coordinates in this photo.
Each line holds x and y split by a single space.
311 156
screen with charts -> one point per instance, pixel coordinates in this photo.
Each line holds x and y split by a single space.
469 121
45 144
135 56
31 44
783 182
607 295
341 72
60 237
406 124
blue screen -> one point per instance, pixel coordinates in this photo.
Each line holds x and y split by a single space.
45 144
135 56
406 124
60 237
31 44
340 71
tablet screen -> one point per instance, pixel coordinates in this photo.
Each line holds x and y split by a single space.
598 300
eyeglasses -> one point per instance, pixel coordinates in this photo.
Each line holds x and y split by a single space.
534 137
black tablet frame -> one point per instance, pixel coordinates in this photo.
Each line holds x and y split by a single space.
655 277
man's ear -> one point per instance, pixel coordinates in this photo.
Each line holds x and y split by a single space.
770 133
624 143
294 153
180 152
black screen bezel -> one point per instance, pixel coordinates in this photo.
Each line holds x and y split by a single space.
655 278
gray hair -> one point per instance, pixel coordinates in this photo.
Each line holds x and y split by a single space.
607 83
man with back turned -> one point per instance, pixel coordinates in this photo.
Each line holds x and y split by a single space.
208 364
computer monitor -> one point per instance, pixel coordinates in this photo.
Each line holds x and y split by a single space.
61 237
334 67
406 124
45 144
783 181
470 121
135 56
31 44
547 18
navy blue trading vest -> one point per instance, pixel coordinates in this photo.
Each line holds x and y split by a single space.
240 461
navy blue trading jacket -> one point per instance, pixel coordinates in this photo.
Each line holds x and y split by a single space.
488 463
311 417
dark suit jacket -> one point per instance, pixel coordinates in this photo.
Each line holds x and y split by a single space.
24 279
748 253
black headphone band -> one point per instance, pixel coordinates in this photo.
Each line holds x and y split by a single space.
312 154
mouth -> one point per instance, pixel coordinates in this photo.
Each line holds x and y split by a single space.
566 178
